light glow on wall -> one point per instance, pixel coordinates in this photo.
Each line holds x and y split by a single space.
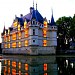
26 32
19 35
19 44
15 24
26 42
44 42
14 45
14 36
45 23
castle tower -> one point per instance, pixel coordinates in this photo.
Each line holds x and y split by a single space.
33 33
53 32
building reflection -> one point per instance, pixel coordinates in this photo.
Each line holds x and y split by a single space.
30 65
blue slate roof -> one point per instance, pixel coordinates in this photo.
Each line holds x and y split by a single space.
36 15
52 20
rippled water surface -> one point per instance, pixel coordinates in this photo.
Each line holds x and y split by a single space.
37 65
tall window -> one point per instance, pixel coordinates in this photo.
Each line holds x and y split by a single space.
14 36
26 42
15 24
33 31
9 45
19 65
19 27
14 45
9 38
13 71
25 24
19 44
5 45
13 63
26 32
44 42
19 35
44 33
45 23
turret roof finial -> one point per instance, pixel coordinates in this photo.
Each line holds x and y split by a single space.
36 6
33 3
52 19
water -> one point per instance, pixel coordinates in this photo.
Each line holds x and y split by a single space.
37 65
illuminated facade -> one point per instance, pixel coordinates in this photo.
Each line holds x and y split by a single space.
30 34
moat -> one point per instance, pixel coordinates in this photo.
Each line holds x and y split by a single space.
37 65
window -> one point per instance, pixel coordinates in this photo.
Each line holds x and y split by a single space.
26 32
14 36
19 27
14 45
8 69
33 22
8 38
44 42
8 31
45 23
45 74
26 74
26 42
15 24
5 45
33 40
19 35
19 44
9 45
33 31
44 33
25 24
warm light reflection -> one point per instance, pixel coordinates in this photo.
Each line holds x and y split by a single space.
14 36
26 74
20 73
5 69
13 72
5 62
8 69
45 74
26 42
45 23
13 44
44 42
9 62
45 67
13 64
19 44
26 67
19 65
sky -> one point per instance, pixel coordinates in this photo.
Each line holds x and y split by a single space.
10 8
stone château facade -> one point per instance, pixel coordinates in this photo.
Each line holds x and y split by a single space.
30 34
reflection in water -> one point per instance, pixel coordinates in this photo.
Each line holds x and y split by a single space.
26 65
38 65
